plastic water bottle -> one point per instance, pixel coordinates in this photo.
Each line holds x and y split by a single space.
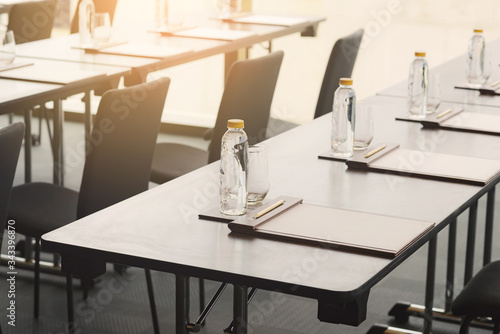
234 169
417 86
343 119
86 12
475 60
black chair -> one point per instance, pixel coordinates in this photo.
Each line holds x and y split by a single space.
117 167
32 21
11 138
101 6
340 65
247 95
480 298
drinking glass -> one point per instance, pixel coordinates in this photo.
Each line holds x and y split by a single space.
487 67
258 175
102 28
433 92
363 126
7 47
225 9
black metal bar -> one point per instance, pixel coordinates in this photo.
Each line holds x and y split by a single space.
201 287
450 265
181 304
69 296
211 304
471 243
27 146
240 309
429 285
58 143
488 229
36 303
152 303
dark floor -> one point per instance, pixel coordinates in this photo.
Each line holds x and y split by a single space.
119 304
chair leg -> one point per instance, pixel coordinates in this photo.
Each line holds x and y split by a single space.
464 327
37 278
69 298
152 302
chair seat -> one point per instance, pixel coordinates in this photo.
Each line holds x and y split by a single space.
38 208
172 160
481 296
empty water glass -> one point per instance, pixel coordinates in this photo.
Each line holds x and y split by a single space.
225 9
102 28
363 126
7 47
433 93
258 175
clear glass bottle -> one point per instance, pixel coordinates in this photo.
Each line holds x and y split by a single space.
475 60
343 119
234 169
86 12
417 86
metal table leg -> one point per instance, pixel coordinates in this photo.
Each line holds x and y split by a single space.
450 269
488 231
240 309
471 243
429 284
181 304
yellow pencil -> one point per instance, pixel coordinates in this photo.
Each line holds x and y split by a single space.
446 112
369 154
268 209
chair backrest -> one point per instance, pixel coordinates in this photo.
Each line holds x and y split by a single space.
11 138
340 65
32 21
248 95
101 6
122 143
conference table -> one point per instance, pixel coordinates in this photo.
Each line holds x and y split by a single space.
39 81
63 47
171 237
453 73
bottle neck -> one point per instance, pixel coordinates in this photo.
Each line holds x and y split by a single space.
234 129
345 86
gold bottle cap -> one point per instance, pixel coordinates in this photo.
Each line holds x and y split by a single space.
235 123
419 54
479 31
345 81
